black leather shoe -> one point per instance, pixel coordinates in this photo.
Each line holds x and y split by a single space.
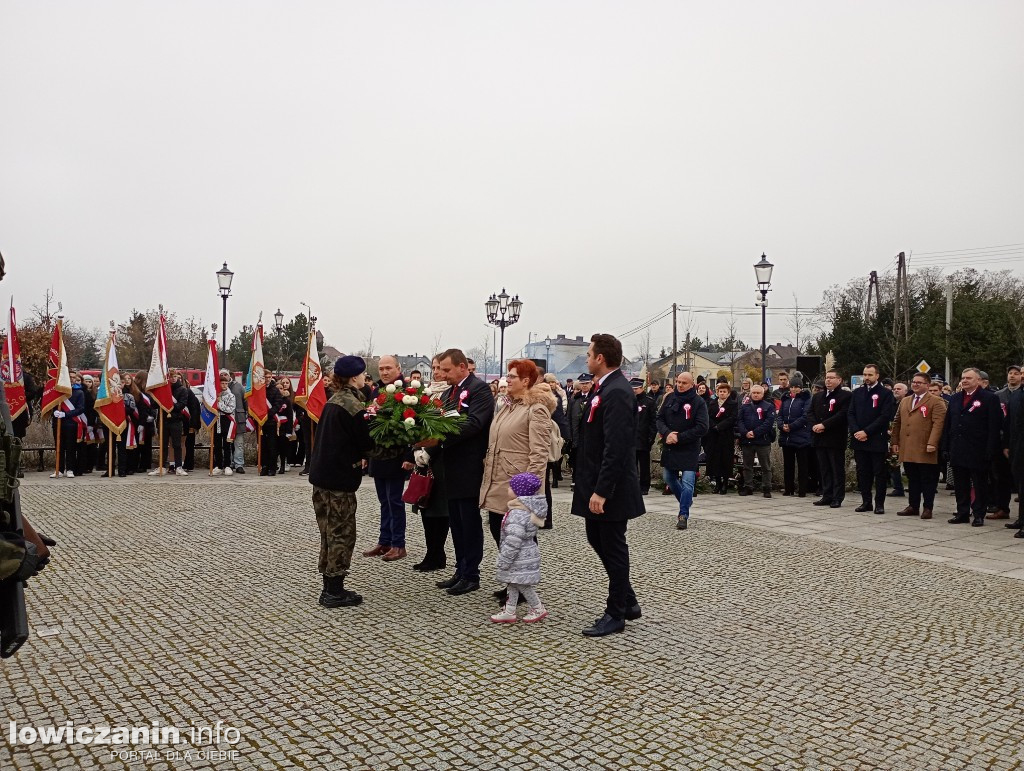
879 510
604 626
1019 534
1013 525
863 507
977 522
430 567
959 520
822 502
680 523
767 493
835 504
632 613
419 565
463 587
240 470
449 583
786 493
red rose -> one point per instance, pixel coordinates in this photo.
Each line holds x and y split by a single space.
398 397
381 399
410 390
436 402
424 399
409 413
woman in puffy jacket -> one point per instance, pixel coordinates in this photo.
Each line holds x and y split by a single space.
721 439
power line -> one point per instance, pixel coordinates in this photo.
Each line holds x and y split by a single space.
973 249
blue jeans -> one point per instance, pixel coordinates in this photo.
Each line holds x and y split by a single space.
392 511
682 489
238 461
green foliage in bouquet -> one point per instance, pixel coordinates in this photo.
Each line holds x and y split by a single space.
407 415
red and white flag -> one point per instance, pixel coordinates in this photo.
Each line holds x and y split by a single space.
256 380
157 384
13 374
58 379
310 393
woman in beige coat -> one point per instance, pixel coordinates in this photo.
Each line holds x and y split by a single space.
520 439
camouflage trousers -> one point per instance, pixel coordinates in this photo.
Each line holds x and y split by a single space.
336 518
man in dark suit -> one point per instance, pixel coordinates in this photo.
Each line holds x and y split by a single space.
607 489
646 430
463 457
973 422
872 408
828 414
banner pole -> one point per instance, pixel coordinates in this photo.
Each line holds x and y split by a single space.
211 444
110 453
160 447
259 448
57 469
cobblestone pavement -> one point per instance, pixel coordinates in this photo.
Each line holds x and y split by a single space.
192 601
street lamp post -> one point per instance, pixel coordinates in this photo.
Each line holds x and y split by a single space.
547 358
279 328
763 272
224 277
502 312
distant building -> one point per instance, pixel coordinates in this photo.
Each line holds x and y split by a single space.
563 352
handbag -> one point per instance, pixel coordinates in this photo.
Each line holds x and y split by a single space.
418 491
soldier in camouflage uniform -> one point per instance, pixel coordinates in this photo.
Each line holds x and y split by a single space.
335 471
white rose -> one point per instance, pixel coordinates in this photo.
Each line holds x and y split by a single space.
416 384
398 384
410 421
409 400
390 388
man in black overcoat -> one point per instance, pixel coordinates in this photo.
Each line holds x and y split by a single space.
646 430
972 439
872 408
463 457
607 490
828 415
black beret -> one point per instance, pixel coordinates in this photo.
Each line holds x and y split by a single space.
349 366
636 382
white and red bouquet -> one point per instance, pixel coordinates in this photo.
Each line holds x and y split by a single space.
406 414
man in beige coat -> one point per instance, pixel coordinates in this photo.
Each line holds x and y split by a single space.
916 434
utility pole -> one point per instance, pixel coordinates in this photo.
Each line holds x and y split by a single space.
686 357
949 320
675 343
872 288
901 308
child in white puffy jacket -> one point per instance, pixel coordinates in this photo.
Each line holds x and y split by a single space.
519 555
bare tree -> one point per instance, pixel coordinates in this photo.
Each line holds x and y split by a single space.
368 344
798 324
643 350
437 343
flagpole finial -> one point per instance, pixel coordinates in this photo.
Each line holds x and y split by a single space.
112 325
160 307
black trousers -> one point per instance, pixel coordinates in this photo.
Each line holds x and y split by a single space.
795 464
813 476
608 540
832 468
494 525
190 448
467 536
268 447
871 472
963 478
222 448
922 482
1002 482
172 435
643 467
435 533
897 481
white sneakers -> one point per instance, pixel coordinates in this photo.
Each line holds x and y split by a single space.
181 472
56 475
228 472
535 614
69 474
216 472
154 472
506 615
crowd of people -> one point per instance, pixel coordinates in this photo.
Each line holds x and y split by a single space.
516 434
85 440
971 436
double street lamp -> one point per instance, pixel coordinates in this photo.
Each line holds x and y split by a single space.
279 328
763 272
224 277
503 311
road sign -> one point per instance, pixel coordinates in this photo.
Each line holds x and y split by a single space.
923 367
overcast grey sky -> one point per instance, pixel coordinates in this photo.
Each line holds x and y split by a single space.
394 163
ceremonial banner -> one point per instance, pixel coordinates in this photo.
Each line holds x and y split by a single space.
209 412
58 379
109 398
256 380
157 383
310 393
13 374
